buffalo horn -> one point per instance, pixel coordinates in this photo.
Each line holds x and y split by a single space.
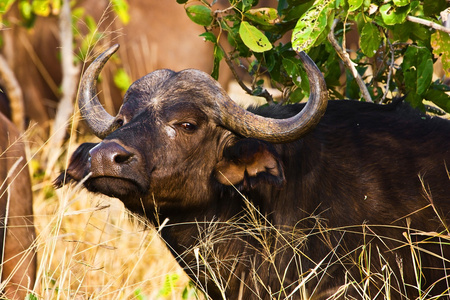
98 119
279 130
231 115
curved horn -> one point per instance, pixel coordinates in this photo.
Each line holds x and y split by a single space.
279 130
98 119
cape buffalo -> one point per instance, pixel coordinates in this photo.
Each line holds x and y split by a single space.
338 198
18 268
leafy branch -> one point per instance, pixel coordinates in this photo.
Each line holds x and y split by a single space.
264 93
350 65
267 37
428 23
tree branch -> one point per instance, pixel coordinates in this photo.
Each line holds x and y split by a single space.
264 92
428 23
349 63
391 69
68 86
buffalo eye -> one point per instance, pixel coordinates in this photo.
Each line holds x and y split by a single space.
187 126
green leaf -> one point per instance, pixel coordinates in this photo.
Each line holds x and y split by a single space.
90 24
417 67
415 100
401 32
394 15
370 39
122 80
440 42
296 96
200 14
209 36
182 1
264 16
218 55
5 5
440 98
292 67
169 283
354 4
41 7
253 38
401 2
310 26
138 295
352 90
246 4
419 33
121 9
234 39
292 13
332 72
31 297
282 4
77 13
91 37
189 291
434 7
26 10
424 70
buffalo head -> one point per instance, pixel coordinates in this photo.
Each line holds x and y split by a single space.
178 135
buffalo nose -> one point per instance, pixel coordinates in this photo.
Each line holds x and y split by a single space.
107 158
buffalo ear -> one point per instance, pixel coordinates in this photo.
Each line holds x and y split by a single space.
250 161
78 166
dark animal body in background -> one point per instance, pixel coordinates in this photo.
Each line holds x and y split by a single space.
4 104
335 196
19 259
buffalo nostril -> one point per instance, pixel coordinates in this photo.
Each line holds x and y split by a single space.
121 158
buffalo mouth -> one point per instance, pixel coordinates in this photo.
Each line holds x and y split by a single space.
117 187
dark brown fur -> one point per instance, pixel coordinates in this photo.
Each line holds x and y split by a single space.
19 261
337 201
